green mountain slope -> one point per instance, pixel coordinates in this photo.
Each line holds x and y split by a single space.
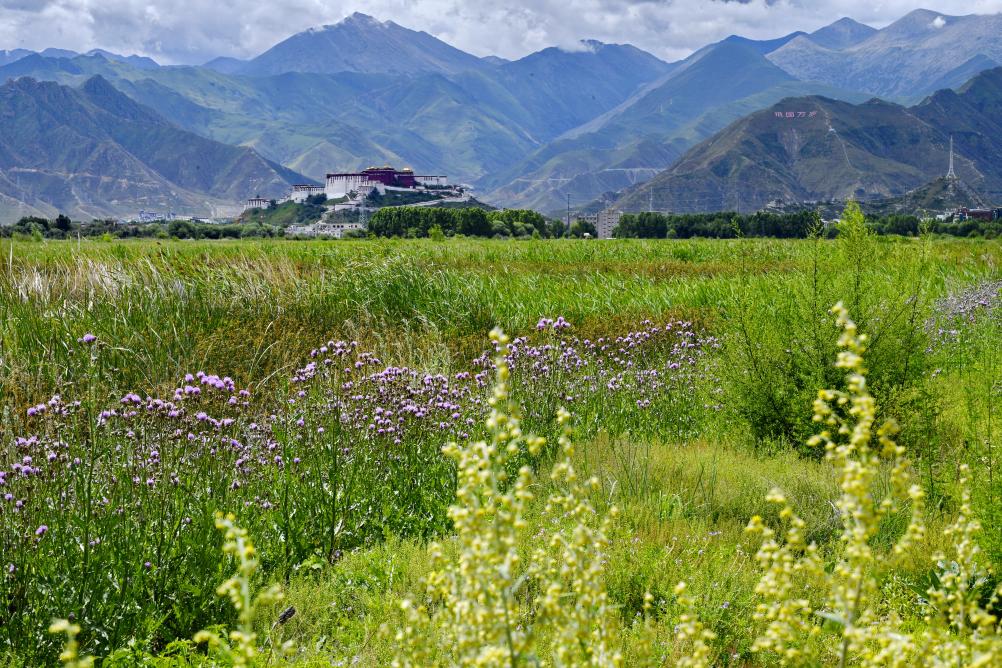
93 151
563 89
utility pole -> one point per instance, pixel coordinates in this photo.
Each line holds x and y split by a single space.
20 195
568 213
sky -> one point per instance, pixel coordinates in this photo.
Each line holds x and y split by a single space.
194 31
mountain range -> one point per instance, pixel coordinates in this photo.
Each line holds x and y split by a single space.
585 121
651 129
916 55
467 124
140 62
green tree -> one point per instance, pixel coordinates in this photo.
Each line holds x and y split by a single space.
63 223
500 229
582 227
555 228
474 222
182 229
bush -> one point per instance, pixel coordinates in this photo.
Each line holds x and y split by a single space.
800 592
780 344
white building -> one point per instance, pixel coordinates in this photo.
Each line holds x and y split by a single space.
339 185
257 203
605 221
301 191
335 230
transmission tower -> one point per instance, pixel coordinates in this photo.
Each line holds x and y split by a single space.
950 174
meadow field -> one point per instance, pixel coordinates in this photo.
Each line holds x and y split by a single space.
310 388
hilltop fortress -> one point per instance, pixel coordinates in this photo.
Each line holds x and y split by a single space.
380 179
353 188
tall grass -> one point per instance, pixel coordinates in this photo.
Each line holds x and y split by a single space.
252 309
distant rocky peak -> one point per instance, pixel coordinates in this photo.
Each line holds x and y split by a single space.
918 23
360 19
581 46
841 34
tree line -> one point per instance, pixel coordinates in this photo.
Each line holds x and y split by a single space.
796 225
416 222
36 227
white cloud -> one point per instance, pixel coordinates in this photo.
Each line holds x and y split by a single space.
938 22
196 30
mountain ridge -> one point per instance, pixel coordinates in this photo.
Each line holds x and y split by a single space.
92 151
465 125
841 34
645 134
361 43
910 58
829 149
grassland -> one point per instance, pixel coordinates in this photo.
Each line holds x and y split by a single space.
342 515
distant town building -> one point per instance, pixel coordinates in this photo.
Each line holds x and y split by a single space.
359 185
604 221
334 230
156 216
380 179
964 213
